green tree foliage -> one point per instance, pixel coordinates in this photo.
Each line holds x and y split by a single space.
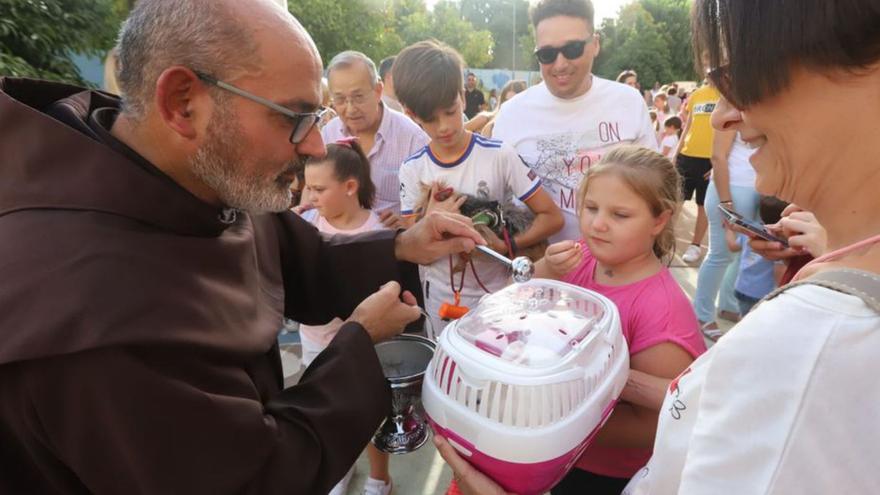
380 28
351 25
499 18
651 37
39 37
448 25
637 44
673 19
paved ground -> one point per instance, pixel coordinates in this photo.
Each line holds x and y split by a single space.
424 472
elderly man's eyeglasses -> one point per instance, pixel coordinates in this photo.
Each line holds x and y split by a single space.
571 50
302 122
354 100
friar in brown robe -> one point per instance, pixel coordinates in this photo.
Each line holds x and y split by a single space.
138 320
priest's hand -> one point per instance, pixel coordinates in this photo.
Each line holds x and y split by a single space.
436 235
386 312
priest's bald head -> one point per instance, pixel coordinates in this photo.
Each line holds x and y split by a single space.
221 95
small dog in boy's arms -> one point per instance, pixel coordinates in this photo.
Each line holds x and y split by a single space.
497 222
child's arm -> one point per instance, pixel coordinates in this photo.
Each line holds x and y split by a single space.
410 194
645 390
548 219
635 426
732 239
559 259
684 131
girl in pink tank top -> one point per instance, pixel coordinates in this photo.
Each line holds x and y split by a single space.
626 206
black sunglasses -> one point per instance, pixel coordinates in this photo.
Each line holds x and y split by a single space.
570 50
302 122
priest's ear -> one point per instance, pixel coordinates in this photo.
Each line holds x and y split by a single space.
182 101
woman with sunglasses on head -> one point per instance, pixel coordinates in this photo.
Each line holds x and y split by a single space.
787 402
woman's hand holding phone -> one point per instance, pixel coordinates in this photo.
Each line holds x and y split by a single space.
805 236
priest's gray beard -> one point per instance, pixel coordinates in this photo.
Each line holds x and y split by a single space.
219 164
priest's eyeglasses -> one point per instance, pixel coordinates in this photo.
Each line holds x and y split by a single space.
302 122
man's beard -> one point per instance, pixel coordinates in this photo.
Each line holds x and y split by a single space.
219 163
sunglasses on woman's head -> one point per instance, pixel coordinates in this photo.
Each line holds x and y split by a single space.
571 50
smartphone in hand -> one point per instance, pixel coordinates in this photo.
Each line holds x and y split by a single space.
751 228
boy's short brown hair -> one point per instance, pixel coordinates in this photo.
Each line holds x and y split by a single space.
427 77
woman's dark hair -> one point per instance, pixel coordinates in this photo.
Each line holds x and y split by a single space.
758 41
350 162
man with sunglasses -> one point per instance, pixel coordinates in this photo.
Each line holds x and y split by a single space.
148 258
563 125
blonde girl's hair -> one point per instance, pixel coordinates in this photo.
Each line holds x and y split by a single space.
650 175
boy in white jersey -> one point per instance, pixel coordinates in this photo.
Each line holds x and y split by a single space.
428 83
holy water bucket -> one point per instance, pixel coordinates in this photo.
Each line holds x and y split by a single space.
404 360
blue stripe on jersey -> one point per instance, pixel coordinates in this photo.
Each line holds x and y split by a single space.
463 157
531 191
486 142
417 154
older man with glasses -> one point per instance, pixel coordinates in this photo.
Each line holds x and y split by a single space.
148 257
386 135
565 124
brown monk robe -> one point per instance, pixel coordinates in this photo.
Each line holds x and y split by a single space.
138 324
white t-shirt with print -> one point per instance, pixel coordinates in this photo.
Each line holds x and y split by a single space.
786 403
487 170
560 139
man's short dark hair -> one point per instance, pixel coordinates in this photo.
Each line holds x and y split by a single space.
545 9
385 66
759 41
427 77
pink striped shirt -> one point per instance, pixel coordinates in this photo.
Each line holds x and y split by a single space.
397 138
